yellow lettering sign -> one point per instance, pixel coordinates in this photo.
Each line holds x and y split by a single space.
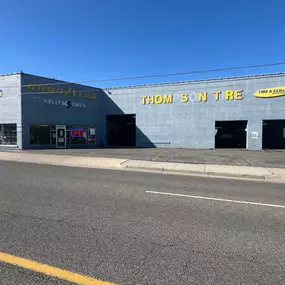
167 99
50 89
41 88
158 99
65 92
31 87
150 99
184 98
229 95
194 96
68 91
238 94
143 99
217 95
270 92
202 96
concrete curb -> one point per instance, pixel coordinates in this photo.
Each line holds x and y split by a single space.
195 173
163 168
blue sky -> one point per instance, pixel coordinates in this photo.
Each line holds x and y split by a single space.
100 39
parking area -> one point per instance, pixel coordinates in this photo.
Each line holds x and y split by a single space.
270 158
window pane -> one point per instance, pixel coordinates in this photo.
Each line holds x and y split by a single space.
40 135
53 137
91 135
67 135
8 134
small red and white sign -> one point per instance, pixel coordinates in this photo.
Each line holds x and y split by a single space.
78 133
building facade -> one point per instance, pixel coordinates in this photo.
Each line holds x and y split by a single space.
240 112
34 107
228 112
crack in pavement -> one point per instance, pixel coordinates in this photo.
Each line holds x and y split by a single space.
158 247
145 259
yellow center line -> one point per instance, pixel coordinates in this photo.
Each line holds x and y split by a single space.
50 270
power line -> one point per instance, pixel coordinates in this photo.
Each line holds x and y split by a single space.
154 75
201 61
201 81
191 72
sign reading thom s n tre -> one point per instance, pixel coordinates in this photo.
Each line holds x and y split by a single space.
193 97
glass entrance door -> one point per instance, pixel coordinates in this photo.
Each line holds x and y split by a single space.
60 136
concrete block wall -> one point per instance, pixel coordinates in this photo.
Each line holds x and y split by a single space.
192 124
164 124
10 103
37 112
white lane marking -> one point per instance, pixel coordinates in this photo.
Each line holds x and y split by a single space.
217 199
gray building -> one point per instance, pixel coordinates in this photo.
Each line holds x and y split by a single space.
239 112
38 112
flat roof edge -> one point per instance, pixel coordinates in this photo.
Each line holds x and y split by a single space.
243 77
61 81
9 74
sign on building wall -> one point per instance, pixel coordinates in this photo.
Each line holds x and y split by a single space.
254 135
78 133
270 92
63 91
92 135
228 95
92 131
64 103
1 93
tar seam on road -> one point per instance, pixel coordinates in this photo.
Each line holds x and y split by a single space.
217 199
50 270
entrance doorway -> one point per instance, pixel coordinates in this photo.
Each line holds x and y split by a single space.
273 134
121 130
60 136
230 134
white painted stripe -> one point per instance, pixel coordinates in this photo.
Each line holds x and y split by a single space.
217 199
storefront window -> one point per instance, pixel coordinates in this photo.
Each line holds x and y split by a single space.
40 135
8 134
75 135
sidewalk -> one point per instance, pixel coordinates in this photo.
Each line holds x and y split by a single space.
234 157
205 170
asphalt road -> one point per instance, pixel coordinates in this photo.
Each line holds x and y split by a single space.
104 224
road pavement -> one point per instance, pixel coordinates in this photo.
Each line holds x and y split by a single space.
124 227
